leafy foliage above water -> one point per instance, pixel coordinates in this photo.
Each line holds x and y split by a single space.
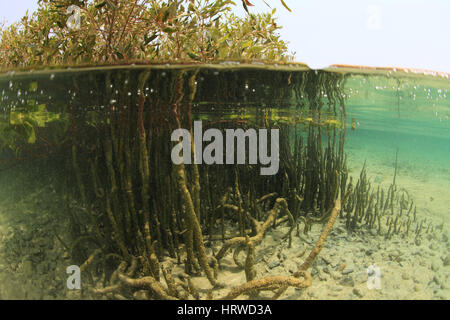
116 31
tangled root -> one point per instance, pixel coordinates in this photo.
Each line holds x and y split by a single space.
270 282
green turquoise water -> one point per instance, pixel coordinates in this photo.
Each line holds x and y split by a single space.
408 113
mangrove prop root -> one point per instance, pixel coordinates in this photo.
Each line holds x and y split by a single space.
193 222
144 171
78 241
145 177
133 267
196 176
154 265
250 272
117 238
90 259
253 221
215 265
318 247
236 256
113 216
115 287
291 220
121 268
267 196
319 244
192 265
184 285
82 190
270 282
255 239
170 281
218 237
147 283
109 289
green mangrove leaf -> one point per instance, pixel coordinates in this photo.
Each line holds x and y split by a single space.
100 5
285 5
225 38
256 49
247 44
169 30
32 137
16 118
119 55
193 56
39 117
147 40
29 132
41 108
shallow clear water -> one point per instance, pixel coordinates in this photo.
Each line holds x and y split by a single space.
411 114
87 180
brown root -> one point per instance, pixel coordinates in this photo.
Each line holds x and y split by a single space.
250 272
147 283
255 239
317 248
270 282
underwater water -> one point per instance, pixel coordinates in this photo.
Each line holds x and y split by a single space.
94 203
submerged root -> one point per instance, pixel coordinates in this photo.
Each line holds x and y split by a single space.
261 230
90 259
283 282
147 283
122 283
250 272
320 242
270 282
193 223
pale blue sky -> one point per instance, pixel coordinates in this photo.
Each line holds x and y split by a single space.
402 33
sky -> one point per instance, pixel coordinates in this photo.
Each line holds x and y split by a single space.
388 33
